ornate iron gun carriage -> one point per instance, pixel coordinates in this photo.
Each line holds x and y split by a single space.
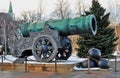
48 40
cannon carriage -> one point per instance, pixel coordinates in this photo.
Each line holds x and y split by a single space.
48 40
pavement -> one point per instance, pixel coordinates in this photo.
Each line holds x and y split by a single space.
75 74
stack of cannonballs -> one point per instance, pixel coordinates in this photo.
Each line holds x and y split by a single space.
95 60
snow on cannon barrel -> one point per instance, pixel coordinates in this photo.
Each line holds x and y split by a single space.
50 37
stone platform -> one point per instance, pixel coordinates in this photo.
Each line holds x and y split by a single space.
59 67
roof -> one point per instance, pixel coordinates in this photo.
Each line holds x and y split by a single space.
10 8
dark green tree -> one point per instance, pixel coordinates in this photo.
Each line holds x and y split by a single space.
104 39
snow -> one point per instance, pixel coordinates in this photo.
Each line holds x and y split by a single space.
74 57
72 60
76 68
116 53
118 59
7 58
31 58
85 69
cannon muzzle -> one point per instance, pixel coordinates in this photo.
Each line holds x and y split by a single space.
65 27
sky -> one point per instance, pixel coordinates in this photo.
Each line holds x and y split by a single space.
25 5
28 5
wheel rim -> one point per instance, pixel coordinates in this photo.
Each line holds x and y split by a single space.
44 48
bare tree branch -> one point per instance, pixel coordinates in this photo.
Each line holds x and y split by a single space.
32 16
80 7
61 10
40 11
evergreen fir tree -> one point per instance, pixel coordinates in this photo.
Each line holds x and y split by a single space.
105 38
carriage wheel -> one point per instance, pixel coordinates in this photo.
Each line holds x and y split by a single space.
44 48
65 52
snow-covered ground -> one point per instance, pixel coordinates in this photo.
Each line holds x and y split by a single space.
72 60
76 68
8 59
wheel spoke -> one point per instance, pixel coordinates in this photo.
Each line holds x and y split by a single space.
39 54
50 48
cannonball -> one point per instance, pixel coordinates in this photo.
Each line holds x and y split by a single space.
78 65
94 53
85 64
96 63
103 63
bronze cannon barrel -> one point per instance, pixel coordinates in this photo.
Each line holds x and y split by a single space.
70 26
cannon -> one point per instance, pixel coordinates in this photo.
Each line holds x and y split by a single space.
49 40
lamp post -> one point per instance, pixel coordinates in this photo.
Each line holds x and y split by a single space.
5 37
1 56
1 48
88 64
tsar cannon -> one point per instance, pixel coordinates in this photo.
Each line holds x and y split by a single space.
48 40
